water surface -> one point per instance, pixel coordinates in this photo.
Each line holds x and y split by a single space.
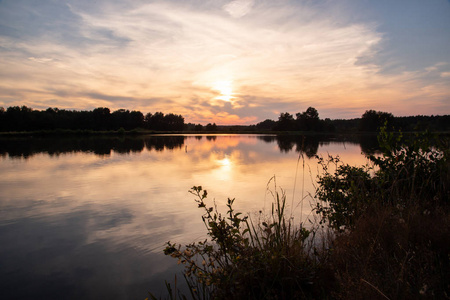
87 218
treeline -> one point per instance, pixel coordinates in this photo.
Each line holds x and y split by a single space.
370 121
23 118
306 121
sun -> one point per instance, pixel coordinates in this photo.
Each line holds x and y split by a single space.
225 88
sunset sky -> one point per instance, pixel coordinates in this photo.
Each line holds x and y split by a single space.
228 62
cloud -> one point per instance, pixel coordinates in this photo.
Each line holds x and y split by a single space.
238 8
169 56
41 60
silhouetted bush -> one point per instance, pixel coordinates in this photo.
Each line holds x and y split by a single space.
388 228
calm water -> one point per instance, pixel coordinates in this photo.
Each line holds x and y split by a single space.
87 218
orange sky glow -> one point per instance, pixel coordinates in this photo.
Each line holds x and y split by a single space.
228 62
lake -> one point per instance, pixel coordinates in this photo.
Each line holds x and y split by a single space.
88 217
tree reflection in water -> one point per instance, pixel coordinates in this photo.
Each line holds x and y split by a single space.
23 147
94 212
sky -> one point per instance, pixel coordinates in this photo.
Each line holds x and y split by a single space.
227 62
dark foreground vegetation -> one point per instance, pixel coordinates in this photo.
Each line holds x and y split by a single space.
101 119
382 233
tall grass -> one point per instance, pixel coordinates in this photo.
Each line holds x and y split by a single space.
271 259
386 235
391 220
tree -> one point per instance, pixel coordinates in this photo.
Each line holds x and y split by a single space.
135 120
155 121
18 118
311 113
2 118
174 122
308 120
159 121
211 127
198 127
266 124
101 116
285 122
371 120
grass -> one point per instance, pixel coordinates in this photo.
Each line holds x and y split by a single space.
245 260
383 234
395 255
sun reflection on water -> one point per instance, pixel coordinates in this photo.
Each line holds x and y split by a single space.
225 162
131 203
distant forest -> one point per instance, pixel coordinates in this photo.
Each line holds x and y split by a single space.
100 119
23 119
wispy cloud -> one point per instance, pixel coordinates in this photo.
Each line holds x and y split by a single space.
238 8
172 56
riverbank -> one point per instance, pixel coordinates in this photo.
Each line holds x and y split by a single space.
83 132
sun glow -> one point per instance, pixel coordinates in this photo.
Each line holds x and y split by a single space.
223 167
225 88
225 162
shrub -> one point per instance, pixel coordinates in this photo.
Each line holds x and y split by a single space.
404 174
391 221
394 256
273 259
389 240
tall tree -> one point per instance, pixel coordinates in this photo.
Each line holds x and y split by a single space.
285 122
371 120
308 120
102 116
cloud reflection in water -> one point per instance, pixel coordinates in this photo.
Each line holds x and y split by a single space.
89 219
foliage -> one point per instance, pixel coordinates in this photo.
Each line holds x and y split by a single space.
308 120
305 121
159 121
412 173
372 120
272 259
267 124
394 253
23 118
389 227
343 194
211 127
391 220
285 122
